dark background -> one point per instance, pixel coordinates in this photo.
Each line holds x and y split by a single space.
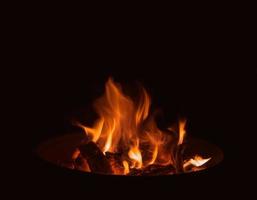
197 66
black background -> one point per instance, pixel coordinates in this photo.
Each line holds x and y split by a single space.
198 66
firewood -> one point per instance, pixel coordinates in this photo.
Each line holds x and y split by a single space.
153 170
135 172
117 157
96 160
67 164
81 164
157 170
178 158
115 160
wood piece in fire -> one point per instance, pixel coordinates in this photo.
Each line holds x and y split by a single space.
158 170
97 161
135 172
178 159
115 160
153 170
81 164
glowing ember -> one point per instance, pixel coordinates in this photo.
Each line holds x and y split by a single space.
125 127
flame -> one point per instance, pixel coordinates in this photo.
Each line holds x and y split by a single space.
159 143
108 143
197 161
119 121
124 125
154 156
182 131
95 132
126 167
143 108
135 155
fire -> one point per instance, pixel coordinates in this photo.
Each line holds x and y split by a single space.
126 167
197 161
108 142
135 154
143 108
125 125
182 131
154 156
95 132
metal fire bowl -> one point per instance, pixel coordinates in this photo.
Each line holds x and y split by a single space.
59 150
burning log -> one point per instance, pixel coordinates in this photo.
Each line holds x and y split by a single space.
115 160
178 158
67 164
116 157
81 164
153 170
96 160
135 172
157 170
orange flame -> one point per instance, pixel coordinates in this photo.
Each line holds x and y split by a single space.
135 155
154 156
126 167
182 131
125 125
143 108
197 161
119 117
95 132
108 143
